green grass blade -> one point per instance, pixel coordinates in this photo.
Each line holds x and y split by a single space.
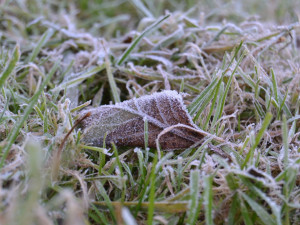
259 136
247 79
195 105
208 200
140 5
106 198
285 142
111 81
181 89
259 210
276 209
204 103
235 54
14 133
275 86
197 153
141 168
229 84
152 192
99 214
139 38
170 39
4 110
282 104
79 78
129 172
218 107
259 109
10 66
43 40
245 213
121 172
234 209
217 90
194 197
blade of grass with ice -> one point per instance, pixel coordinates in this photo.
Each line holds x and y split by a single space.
106 198
99 214
275 86
121 172
4 110
194 200
245 213
10 66
140 5
234 208
14 133
152 192
208 198
285 142
80 78
196 104
43 40
139 38
215 96
259 210
259 136
111 81
276 209
141 168
218 116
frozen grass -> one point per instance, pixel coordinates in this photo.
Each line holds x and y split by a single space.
241 74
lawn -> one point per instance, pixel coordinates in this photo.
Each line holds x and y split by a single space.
149 112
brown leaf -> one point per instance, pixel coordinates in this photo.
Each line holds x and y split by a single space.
123 122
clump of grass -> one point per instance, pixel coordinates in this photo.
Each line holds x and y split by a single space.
242 79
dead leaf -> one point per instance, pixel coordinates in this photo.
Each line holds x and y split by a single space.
123 123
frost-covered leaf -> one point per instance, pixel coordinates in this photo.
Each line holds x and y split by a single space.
124 123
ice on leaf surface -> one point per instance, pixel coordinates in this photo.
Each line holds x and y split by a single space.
124 123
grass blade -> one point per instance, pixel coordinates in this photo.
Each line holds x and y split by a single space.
195 105
259 210
99 214
140 5
259 136
152 192
229 84
217 90
14 133
10 66
4 110
234 209
208 199
106 198
121 172
245 213
111 81
218 107
285 142
43 40
275 86
79 78
139 38
194 197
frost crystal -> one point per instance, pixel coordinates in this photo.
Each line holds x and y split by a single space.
123 123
